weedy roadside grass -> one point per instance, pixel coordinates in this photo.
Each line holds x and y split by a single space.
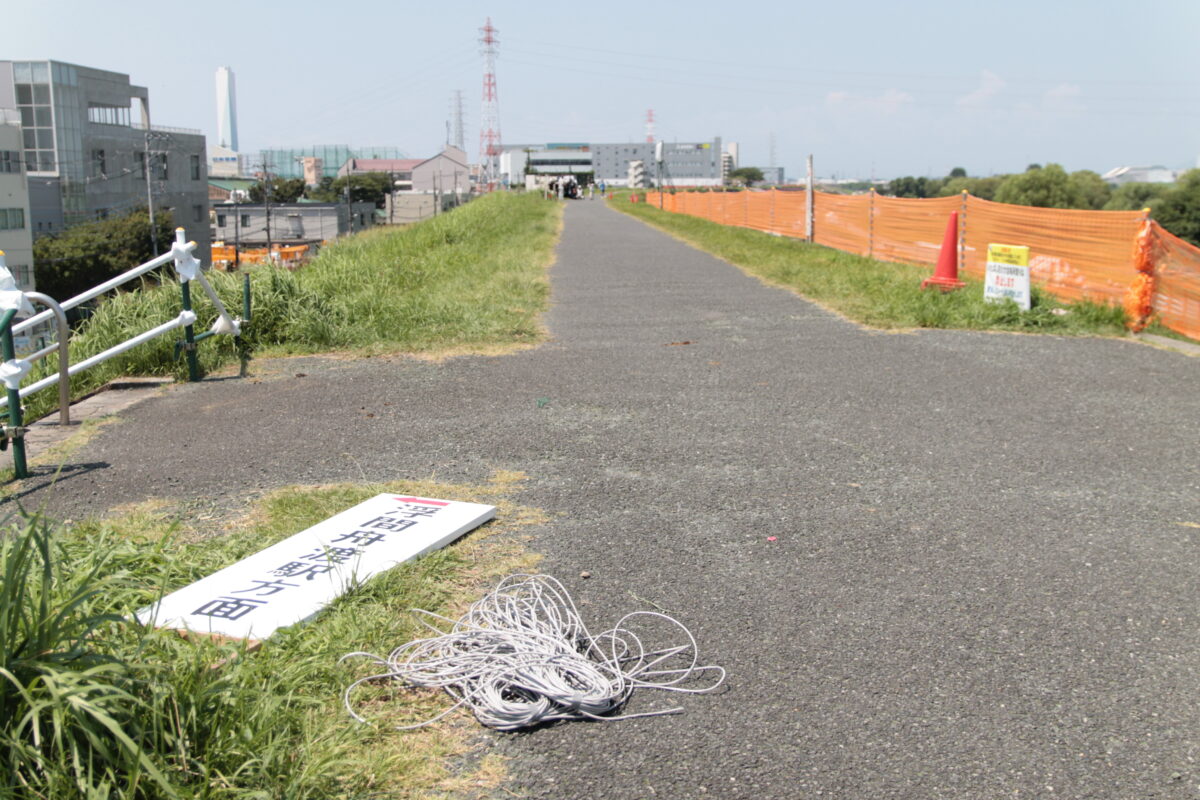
876 293
471 279
94 705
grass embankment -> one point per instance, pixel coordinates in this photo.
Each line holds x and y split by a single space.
876 293
93 705
470 280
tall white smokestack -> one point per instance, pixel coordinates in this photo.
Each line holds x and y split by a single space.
226 109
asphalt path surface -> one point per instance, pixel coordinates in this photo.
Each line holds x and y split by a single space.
934 564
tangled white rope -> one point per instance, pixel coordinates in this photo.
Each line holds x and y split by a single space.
521 656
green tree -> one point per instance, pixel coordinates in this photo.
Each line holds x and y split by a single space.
367 187
1178 209
957 172
745 175
1136 196
984 188
323 192
89 254
1090 188
1046 187
909 186
283 190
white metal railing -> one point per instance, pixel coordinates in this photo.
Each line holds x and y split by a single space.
13 301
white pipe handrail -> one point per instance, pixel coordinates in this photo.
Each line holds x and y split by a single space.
184 318
113 283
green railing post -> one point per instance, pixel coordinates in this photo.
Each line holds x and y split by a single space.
189 331
189 336
245 297
9 352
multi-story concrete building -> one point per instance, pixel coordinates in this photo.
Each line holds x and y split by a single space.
16 239
88 145
683 163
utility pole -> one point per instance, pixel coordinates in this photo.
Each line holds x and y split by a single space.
150 193
266 172
237 231
349 205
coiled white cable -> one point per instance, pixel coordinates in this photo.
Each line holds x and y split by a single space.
521 655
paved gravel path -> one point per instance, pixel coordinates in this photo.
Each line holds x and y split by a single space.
985 576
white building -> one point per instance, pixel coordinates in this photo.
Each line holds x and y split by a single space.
16 238
1120 175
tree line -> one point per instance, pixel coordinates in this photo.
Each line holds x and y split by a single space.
368 187
1175 206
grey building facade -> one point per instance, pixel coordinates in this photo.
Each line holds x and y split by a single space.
245 224
87 143
683 163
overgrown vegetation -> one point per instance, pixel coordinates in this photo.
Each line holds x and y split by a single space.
94 705
883 295
470 279
83 256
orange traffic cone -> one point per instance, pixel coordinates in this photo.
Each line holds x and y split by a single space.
945 276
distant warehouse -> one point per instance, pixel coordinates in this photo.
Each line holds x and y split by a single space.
683 164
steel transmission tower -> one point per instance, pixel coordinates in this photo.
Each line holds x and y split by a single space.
459 140
489 122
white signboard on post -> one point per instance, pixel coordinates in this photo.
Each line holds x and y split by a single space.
1007 275
291 581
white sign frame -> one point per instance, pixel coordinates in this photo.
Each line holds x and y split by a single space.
294 579
1007 276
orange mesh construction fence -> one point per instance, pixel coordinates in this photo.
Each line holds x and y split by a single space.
1176 282
1072 254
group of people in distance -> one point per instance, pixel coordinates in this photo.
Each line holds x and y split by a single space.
566 187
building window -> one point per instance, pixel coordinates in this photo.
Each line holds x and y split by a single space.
32 84
10 161
220 220
139 164
12 219
245 220
108 115
98 170
160 166
197 213
195 167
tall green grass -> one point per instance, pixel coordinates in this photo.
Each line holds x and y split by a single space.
472 278
876 293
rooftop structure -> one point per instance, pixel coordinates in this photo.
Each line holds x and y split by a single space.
90 151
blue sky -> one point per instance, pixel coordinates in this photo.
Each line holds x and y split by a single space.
869 88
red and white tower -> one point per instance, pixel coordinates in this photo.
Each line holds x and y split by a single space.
489 123
650 125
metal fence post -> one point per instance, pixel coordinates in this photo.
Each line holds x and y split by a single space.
15 430
962 235
189 331
871 225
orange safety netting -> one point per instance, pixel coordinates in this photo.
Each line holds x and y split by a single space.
1073 254
1177 282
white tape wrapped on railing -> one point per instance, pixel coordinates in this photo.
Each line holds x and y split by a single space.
11 373
224 324
189 269
11 295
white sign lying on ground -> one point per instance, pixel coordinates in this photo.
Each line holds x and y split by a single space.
1007 275
291 581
